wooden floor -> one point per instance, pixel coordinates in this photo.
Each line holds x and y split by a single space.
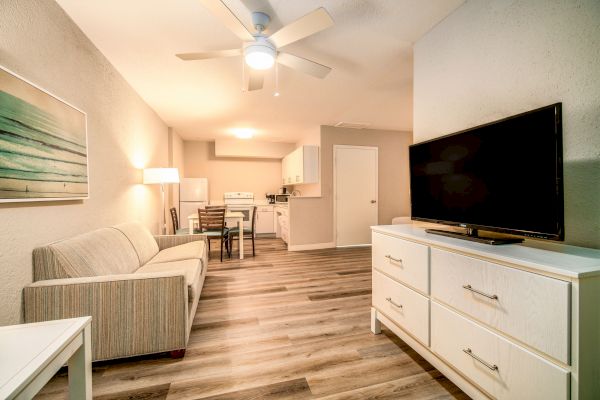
281 325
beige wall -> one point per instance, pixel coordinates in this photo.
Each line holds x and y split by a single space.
311 219
230 174
40 43
492 59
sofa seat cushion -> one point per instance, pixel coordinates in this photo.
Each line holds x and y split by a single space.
182 252
191 269
141 239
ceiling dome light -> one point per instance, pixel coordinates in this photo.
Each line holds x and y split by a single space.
243 133
260 55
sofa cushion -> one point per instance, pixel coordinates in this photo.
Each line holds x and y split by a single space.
182 252
142 240
101 252
191 269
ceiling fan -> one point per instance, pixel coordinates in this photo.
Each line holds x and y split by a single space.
260 51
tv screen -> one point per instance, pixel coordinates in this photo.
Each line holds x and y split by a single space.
505 176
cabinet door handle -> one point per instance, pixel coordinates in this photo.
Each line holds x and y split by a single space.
489 296
396 260
392 302
493 367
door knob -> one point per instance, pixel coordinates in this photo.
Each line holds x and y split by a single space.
373 201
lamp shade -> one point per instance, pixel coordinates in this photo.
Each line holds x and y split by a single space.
160 175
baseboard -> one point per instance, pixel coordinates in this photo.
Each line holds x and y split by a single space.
354 245
311 246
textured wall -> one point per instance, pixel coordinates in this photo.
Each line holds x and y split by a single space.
311 219
492 59
227 174
39 42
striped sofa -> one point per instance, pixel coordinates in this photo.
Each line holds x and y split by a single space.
141 290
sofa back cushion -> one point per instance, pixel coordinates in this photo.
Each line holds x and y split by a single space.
141 239
104 251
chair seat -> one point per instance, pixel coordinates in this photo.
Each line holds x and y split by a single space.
185 231
235 231
216 233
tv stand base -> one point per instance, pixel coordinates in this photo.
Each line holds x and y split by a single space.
473 236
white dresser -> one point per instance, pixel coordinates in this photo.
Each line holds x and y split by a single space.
506 322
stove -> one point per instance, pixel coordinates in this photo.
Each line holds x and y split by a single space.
240 202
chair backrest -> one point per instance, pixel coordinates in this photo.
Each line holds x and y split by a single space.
211 219
253 218
174 219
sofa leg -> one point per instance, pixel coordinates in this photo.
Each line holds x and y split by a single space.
177 353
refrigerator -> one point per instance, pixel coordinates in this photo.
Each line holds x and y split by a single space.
193 194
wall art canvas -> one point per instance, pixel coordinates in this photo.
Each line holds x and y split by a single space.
43 144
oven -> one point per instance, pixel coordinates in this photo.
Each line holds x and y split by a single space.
242 202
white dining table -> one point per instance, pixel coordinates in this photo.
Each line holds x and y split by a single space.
233 216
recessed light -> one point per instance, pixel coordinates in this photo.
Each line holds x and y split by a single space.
243 133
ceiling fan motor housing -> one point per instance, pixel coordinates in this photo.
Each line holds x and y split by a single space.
260 21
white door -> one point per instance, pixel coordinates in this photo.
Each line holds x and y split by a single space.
355 191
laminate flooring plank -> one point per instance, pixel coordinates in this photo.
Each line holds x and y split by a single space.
296 389
280 325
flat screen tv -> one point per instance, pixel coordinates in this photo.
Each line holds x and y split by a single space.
505 176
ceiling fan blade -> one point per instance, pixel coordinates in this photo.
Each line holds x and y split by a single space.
209 54
228 18
255 79
302 64
307 25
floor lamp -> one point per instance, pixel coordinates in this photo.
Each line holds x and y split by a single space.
161 176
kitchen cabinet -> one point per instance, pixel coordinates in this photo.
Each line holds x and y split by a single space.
301 166
265 218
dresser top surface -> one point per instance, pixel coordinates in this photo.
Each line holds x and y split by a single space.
553 258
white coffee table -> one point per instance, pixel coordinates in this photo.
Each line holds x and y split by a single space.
30 355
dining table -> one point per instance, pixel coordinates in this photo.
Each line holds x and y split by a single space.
230 216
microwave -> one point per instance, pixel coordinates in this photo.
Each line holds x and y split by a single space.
282 198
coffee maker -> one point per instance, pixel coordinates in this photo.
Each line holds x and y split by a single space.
270 198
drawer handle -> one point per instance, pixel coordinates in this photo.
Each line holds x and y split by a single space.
489 296
493 367
392 302
397 260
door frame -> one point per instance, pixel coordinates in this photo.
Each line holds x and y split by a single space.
347 146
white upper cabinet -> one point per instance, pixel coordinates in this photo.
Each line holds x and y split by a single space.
301 166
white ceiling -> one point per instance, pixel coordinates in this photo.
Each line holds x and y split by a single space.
369 49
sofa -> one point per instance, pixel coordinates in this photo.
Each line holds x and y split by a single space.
141 290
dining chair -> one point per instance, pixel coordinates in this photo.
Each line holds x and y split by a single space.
211 222
248 232
176 229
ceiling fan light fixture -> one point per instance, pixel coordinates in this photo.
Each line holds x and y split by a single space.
260 55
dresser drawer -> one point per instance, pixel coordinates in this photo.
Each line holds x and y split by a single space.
409 309
518 373
406 261
531 308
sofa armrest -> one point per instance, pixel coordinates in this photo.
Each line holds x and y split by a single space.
166 241
131 313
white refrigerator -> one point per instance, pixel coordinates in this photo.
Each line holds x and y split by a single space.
193 194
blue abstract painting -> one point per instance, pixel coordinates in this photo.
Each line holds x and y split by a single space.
43 144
